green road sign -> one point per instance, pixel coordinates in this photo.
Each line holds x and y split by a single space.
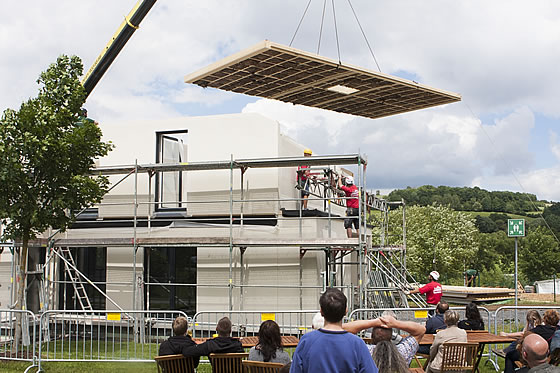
516 228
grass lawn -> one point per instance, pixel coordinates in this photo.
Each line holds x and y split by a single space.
103 367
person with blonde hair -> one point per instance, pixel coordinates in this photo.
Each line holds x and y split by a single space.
450 334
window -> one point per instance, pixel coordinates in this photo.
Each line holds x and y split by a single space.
171 147
165 267
92 262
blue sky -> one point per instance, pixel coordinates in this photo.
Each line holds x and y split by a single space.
501 56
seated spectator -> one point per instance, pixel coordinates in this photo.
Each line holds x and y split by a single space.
388 359
269 346
331 348
318 321
450 334
473 320
535 351
533 319
221 344
546 331
433 324
383 331
174 345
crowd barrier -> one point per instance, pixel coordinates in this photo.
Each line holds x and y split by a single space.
63 335
103 335
246 323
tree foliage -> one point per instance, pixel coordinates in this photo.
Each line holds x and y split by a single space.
539 255
437 237
467 199
46 152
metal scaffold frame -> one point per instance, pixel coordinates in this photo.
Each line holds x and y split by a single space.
381 271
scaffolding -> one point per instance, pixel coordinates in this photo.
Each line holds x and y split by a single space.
378 273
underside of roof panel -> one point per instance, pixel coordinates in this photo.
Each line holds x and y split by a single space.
282 73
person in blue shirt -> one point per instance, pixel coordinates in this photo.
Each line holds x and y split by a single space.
331 348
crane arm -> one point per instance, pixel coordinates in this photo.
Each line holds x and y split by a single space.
116 44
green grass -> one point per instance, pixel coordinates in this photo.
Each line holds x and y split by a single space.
102 367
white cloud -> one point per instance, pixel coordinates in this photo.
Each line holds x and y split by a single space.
502 56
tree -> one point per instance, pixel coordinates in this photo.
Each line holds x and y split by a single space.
46 152
437 238
539 257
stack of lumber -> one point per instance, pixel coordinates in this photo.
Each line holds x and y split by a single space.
464 295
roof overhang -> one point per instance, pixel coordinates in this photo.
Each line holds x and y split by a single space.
287 74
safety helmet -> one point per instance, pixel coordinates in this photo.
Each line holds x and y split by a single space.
435 275
307 151
349 180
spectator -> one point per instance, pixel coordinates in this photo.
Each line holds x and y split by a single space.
383 331
546 331
331 348
450 334
180 339
388 359
223 343
432 289
535 351
269 346
318 321
303 179
352 205
473 320
434 324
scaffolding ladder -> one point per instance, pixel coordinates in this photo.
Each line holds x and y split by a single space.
387 284
74 275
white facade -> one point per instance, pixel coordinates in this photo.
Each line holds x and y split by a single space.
217 138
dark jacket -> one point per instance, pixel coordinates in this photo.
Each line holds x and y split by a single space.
471 324
435 323
174 345
214 345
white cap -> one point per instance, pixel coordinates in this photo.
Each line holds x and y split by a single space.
435 275
349 180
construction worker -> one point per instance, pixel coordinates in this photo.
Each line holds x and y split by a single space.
303 179
352 205
432 289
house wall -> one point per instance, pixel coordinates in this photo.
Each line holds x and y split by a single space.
216 138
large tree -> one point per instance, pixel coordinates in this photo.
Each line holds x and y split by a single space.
437 237
46 152
539 257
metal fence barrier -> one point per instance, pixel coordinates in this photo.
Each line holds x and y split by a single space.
247 323
13 346
103 335
419 315
136 335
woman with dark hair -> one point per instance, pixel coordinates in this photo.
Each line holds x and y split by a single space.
473 320
269 346
388 359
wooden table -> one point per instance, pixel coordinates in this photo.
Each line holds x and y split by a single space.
247 342
482 337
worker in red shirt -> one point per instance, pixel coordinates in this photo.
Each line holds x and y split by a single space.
432 289
352 205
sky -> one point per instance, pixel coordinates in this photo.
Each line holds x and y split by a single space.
501 56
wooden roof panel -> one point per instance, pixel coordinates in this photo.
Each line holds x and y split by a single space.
278 72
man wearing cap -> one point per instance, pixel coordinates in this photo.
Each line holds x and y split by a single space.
303 179
431 289
352 205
